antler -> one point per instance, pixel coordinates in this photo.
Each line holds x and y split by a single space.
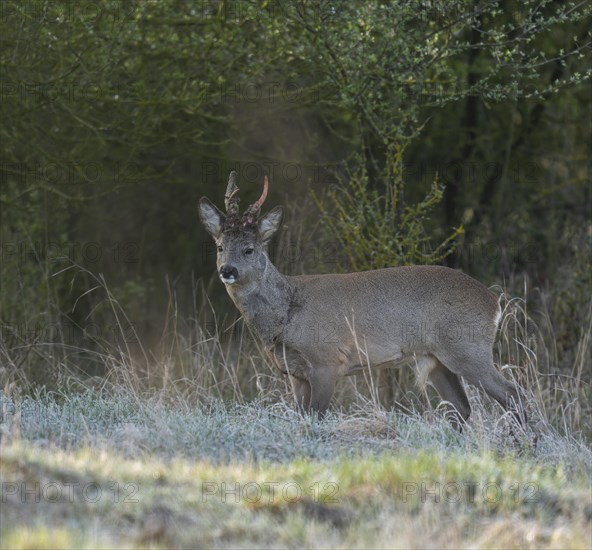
230 198
253 211
257 205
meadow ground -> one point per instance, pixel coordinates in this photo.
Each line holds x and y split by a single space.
89 471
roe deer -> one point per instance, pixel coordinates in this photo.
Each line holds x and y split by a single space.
320 327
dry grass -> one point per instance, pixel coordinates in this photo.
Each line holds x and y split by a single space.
201 356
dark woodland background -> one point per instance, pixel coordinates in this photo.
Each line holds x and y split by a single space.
448 132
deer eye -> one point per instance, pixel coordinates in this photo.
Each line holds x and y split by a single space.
249 250
220 248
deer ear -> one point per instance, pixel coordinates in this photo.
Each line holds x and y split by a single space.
270 223
211 217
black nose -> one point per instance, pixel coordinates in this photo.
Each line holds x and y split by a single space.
228 272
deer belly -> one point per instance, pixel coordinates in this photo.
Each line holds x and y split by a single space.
362 357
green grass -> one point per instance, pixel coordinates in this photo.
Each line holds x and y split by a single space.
358 478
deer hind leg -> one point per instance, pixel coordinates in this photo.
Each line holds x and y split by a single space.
478 369
450 388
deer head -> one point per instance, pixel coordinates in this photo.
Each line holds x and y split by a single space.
241 240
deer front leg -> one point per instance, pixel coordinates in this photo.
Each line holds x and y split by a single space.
322 384
312 386
301 391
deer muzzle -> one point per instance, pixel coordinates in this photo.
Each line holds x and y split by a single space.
228 274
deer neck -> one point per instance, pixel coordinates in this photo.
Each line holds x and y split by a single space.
265 303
